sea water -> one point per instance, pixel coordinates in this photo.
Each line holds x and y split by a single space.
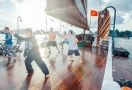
119 42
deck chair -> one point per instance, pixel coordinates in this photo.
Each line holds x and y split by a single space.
17 46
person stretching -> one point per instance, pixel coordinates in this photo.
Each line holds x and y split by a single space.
72 46
8 43
31 52
51 40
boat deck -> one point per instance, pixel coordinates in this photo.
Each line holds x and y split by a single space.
64 74
123 68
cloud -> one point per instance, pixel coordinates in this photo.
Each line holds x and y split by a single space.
18 1
5 18
6 21
1 10
123 12
131 14
31 12
120 5
2 0
119 20
106 1
125 26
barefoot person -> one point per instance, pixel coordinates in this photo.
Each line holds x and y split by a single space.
65 39
31 52
51 41
72 46
8 43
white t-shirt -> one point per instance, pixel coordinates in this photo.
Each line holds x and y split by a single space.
72 41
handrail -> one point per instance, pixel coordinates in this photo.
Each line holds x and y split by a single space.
108 83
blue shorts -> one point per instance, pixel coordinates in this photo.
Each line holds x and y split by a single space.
64 42
76 52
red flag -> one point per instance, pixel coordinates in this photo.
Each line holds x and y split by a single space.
94 13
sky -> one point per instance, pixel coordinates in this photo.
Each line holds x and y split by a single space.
33 15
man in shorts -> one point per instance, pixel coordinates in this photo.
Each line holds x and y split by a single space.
72 46
51 40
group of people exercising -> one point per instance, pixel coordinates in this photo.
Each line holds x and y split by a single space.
31 51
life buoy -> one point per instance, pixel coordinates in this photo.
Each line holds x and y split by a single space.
126 88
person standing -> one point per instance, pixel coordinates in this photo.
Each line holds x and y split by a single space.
31 52
65 39
72 46
8 43
51 40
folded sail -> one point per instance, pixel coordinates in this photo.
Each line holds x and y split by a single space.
103 26
70 11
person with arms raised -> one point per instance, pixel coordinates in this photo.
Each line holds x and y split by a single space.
31 52
8 43
72 45
51 41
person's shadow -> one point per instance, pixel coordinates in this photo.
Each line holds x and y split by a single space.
73 76
70 66
9 64
26 82
53 60
46 84
64 58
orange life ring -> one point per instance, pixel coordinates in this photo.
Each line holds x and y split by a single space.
126 88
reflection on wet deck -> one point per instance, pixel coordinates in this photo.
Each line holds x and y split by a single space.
64 74
122 67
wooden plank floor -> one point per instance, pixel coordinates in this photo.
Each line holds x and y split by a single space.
64 74
123 68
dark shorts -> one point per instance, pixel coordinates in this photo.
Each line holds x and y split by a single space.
51 43
76 52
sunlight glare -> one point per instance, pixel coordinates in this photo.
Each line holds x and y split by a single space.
32 13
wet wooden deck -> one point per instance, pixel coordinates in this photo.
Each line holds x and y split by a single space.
123 68
64 74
